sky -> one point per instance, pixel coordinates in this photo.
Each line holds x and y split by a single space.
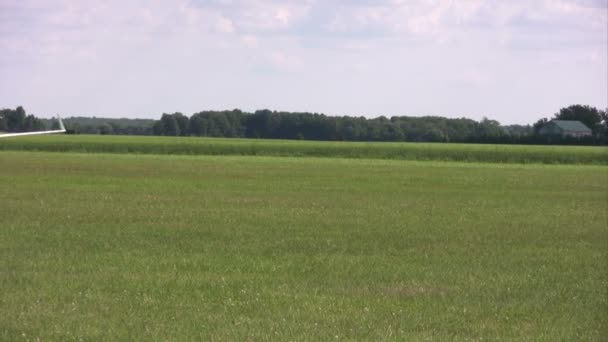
514 61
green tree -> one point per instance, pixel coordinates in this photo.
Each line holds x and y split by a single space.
14 119
3 126
105 129
538 124
158 128
198 124
182 122
169 125
32 123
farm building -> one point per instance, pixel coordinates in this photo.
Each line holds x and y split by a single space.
565 128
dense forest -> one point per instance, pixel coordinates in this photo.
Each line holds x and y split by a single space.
312 126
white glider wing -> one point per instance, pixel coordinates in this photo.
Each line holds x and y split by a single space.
60 130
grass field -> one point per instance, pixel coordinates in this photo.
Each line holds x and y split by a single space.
259 147
157 247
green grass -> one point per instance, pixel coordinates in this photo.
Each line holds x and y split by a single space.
151 247
260 147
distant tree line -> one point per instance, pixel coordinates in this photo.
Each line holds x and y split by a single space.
93 125
312 126
269 124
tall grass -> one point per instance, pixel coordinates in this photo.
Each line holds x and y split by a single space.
376 150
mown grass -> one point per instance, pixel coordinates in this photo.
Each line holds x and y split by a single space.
260 147
150 247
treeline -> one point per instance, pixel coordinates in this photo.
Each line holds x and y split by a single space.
93 125
313 126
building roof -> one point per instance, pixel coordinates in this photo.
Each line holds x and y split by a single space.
571 125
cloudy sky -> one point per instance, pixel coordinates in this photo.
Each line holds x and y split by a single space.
514 61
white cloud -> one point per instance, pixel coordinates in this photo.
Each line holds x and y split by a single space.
439 20
257 16
225 25
282 15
